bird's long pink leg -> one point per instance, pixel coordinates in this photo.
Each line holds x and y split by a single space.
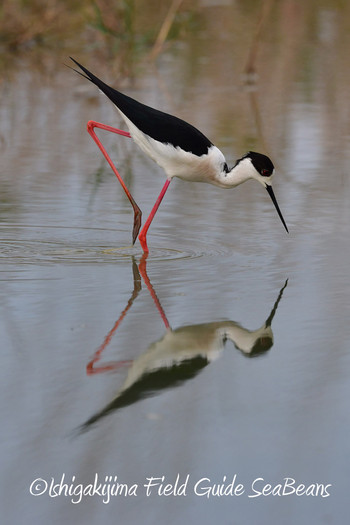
137 212
143 233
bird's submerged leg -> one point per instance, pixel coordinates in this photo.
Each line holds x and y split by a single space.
143 233
91 125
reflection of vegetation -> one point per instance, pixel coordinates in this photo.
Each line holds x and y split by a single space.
104 173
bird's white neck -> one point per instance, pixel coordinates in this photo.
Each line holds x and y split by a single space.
240 173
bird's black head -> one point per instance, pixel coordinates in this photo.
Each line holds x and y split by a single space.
262 163
260 168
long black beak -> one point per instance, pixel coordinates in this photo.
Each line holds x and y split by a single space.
273 198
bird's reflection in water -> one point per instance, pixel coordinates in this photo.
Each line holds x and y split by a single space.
179 355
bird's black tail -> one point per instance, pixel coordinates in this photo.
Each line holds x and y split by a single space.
107 90
134 110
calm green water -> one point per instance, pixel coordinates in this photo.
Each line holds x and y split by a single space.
226 353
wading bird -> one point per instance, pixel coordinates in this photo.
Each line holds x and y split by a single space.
179 148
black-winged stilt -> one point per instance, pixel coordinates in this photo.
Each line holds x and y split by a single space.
179 148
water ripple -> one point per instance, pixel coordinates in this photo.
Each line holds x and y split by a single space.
32 244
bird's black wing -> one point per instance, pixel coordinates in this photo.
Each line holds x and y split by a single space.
156 124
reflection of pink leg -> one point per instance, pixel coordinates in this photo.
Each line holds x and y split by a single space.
143 233
143 272
137 212
91 369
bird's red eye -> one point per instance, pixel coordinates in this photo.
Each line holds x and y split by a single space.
265 173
